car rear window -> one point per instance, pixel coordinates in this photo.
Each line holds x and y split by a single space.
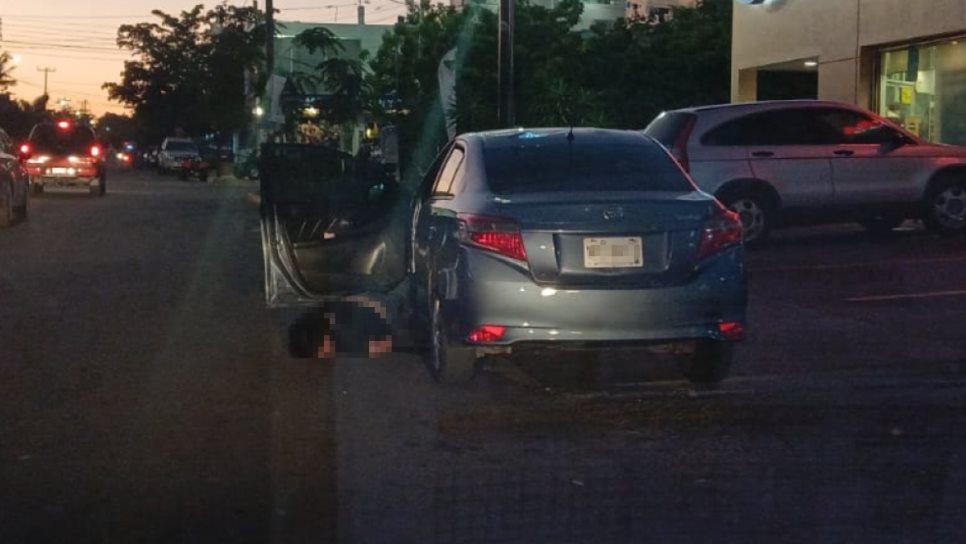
62 140
555 165
667 127
180 146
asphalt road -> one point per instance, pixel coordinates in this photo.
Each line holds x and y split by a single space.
146 395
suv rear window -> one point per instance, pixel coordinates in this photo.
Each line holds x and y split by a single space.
554 165
52 139
180 146
667 127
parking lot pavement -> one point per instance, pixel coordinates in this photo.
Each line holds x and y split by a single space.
147 395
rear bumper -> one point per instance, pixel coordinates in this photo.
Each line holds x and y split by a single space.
498 293
66 181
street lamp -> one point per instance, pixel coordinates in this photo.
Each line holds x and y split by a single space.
258 111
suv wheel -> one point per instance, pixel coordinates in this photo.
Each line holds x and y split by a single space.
709 364
946 208
448 364
7 214
755 211
100 189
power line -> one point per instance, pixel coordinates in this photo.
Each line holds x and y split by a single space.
38 53
63 46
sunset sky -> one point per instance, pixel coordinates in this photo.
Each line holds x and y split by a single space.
77 39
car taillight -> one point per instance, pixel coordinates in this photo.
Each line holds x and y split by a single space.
95 151
486 333
721 232
732 330
680 147
496 234
25 149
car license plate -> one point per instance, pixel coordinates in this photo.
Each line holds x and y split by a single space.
613 252
60 171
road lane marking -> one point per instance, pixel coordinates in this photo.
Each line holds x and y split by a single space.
934 294
846 266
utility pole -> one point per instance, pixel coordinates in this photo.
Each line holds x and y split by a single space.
505 110
46 70
269 38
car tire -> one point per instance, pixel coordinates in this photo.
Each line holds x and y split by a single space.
253 173
447 363
7 214
755 209
880 225
709 364
945 204
98 190
22 209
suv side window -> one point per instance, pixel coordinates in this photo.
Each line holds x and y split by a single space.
852 127
444 184
774 128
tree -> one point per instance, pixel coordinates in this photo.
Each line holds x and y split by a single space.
6 78
188 70
343 78
17 117
116 129
618 75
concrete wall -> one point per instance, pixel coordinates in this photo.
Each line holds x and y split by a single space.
840 34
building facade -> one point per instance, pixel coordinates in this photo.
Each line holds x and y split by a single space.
905 59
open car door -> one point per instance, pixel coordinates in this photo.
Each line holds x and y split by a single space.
332 225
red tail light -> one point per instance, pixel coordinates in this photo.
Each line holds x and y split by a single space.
680 147
495 234
732 330
95 151
63 125
25 149
721 232
486 334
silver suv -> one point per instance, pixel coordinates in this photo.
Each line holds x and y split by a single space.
174 151
797 161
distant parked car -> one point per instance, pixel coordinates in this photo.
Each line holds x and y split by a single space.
516 240
13 183
173 153
65 153
788 162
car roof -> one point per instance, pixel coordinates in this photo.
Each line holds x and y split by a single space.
737 107
510 137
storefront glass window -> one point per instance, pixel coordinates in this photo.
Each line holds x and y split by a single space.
923 88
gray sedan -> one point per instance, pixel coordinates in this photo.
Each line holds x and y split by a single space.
540 238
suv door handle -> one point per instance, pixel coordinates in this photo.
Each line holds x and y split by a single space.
844 152
762 153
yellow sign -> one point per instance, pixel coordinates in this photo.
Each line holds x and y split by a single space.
907 94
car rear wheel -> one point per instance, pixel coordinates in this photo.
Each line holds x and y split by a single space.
448 364
99 189
7 214
946 208
754 210
709 364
